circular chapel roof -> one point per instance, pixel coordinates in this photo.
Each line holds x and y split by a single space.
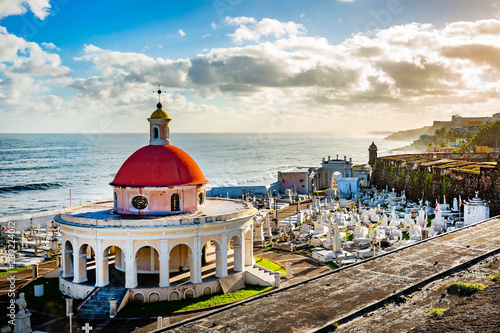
155 166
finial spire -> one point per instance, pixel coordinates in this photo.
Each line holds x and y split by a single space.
159 91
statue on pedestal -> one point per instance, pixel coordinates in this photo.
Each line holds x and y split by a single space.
22 323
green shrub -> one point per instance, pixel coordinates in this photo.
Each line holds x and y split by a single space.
349 237
495 277
437 312
464 289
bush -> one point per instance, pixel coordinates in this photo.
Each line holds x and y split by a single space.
464 289
437 312
495 277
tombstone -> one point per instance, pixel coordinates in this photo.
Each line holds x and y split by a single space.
267 227
87 328
112 307
384 221
277 279
34 269
69 306
288 270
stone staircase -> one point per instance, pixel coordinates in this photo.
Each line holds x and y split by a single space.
263 277
96 305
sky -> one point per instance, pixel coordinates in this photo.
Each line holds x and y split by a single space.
69 66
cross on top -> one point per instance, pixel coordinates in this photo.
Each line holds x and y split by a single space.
159 91
87 328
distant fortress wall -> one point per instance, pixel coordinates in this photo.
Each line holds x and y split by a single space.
458 122
435 175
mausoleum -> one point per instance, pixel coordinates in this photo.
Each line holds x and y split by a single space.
160 238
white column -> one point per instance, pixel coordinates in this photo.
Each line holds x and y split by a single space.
164 263
221 270
130 265
248 254
99 262
76 260
196 260
242 251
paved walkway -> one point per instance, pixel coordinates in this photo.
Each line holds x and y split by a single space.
327 299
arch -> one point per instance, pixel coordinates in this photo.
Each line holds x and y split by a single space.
147 259
180 261
174 295
154 297
207 290
69 291
113 263
68 266
138 298
87 292
79 293
234 246
212 253
175 202
189 293
85 254
218 288
61 288
156 132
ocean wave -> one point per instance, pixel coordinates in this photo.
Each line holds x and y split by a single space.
28 168
30 187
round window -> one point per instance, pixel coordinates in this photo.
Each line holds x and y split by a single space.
140 202
200 198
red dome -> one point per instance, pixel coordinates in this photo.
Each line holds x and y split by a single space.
159 166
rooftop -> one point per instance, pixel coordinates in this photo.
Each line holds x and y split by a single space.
101 214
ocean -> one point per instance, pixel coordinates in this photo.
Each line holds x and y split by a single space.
37 171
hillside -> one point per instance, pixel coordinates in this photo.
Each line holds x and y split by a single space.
410 135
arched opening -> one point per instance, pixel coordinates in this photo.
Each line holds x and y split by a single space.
180 265
113 267
211 261
148 266
156 133
207 290
167 132
174 295
68 260
86 264
154 297
234 249
188 294
138 298
175 205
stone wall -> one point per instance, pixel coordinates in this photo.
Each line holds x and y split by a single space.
434 177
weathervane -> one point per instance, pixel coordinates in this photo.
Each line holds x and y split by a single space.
159 91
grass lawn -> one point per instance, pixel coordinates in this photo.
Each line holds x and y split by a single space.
13 270
133 309
52 299
270 265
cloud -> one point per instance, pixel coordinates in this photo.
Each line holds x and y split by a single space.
49 46
206 36
181 33
251 30
27 72
213 25
404 73
40 8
